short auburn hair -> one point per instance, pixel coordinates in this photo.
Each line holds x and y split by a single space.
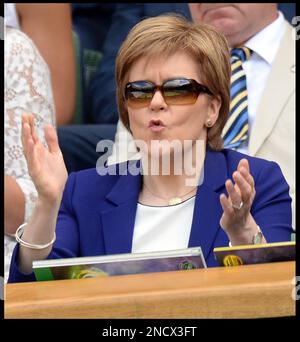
166 35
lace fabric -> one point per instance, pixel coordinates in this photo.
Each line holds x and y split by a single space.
27 90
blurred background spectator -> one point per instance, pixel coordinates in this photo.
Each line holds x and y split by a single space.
50 28
91 22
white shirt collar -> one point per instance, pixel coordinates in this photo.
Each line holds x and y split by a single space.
266 42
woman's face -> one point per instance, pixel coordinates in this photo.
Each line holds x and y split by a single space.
177 122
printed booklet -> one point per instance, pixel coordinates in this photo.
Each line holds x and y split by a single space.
255 254
119 264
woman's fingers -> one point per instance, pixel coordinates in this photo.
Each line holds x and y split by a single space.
29 148
51 139
226 204
243 163
244 169
30 143
29 119
31 162
33 131
233 193
26 130
25 118
240 191
25 136
248 177
244 187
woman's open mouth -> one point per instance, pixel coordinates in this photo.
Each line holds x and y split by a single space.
156 125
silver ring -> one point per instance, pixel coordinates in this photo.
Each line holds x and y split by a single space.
238 206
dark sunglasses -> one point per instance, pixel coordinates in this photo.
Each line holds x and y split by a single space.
179 91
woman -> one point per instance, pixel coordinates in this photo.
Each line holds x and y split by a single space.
173 85
27 88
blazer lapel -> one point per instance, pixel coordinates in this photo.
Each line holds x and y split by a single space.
279 88
208 210
118 222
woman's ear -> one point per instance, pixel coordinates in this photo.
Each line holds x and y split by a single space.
214 106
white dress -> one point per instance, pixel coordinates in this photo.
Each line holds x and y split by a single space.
27 89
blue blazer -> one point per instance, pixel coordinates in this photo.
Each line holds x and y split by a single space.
97 213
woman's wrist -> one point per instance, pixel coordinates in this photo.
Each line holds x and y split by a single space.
243 235
40 232
47 204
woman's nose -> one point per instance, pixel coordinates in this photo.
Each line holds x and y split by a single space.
158 101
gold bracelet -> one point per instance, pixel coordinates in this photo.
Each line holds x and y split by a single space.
19 234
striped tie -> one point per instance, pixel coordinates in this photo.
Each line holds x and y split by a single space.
235 131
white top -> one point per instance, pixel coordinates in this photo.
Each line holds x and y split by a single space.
27 88
257 68
10 16
163 228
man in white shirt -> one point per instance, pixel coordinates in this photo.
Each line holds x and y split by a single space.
270 74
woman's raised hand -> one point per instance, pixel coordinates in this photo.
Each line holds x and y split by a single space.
237 220
45 165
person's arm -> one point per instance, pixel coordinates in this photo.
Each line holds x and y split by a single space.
50 27
14 205
48 172
67 242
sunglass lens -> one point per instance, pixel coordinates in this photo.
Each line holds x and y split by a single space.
139 94
179 92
